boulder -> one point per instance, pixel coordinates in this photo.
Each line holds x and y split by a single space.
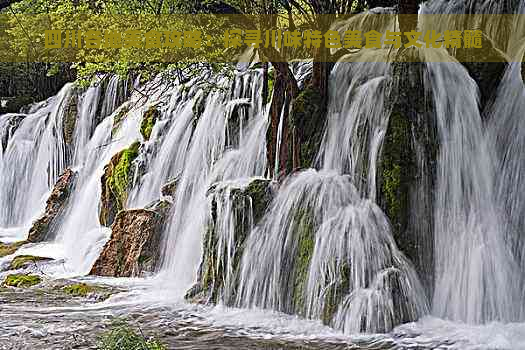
43 227
116 182
133 249
22 261
246 208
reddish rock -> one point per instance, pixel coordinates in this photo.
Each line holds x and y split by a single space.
43 227
134 244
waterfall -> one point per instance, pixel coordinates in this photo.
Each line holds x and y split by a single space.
325 247
207 160
34 157
57 134
323 252
472 259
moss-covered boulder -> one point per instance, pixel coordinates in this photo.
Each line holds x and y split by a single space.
148 121
119 118
308 119
43 228
134 246
78 289
21 280
9 248
116 182
223 244
22 261
407 166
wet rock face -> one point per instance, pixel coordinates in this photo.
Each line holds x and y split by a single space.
148 121
70 118
42 228
170 188
308 114
246 208
407 168
116 181
133 249
486 66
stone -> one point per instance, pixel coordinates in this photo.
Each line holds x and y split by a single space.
148 121
210 278
308 116
116 182
21 280
42 228
133 249
70 118
9 248
170 187
407 166
22 261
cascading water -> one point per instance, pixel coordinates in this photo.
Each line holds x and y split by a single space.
207 163
472 259
323 249
38 147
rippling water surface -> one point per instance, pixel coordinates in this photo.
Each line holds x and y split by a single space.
39 318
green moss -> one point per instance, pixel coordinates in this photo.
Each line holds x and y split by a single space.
397 168
304 231
21 280
148 121
307 118
8 249
271 78
391 183
120 178
119 117
79 289
22 260
258 191
121 336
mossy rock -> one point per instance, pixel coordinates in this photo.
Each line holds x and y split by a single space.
8 249
70 118
308 118
21 280
78 289
119 118
304 231
116 182
211 282
24 260
148 121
